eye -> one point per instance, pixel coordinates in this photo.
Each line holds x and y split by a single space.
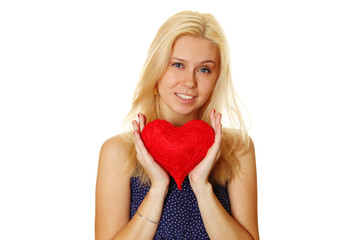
204 70
177 65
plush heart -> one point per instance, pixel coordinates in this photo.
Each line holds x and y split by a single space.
178 149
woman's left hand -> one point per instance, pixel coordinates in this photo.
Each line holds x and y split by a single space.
200 174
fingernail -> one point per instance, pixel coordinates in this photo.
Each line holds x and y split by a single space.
139 116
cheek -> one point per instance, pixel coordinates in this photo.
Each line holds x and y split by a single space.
207 87
167 80
162 82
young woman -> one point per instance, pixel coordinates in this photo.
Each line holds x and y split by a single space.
186 76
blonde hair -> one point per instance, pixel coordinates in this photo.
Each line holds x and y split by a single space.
223 99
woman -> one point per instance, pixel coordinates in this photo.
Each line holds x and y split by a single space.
186 76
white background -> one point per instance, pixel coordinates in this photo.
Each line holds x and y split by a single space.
68 69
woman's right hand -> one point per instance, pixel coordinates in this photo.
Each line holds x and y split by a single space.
158 176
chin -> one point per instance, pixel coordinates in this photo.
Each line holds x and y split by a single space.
184 111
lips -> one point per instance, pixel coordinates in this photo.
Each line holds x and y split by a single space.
185 96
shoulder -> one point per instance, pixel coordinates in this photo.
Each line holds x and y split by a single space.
241 143
116 145
237 155
242 148
116 151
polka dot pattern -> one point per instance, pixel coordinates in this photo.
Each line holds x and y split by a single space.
181 217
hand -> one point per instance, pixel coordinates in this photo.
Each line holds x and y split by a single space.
158 176
199 176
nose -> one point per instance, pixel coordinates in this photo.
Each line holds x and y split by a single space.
189 79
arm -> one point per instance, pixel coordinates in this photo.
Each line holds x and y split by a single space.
242 224
112 218
243 193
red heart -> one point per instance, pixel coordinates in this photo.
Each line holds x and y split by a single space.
178 149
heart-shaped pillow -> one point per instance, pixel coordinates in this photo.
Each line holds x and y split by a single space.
178 149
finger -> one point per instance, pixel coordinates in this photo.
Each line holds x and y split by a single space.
212 118
136 134
141 148
142 121
217 140
136 126
138 155
218 155
218 121
218 135
218 129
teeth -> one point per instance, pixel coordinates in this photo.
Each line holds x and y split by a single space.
184 96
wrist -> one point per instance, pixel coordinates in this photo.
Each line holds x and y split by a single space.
159 190
201 189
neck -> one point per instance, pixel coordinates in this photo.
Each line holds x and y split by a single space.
178 120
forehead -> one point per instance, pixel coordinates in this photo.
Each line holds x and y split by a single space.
192 48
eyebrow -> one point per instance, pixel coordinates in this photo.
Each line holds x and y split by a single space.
183 60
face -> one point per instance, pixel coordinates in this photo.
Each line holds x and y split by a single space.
189 78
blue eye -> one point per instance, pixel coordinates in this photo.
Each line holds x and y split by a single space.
177 65
205 70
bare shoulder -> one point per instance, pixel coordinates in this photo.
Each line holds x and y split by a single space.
243 149
246 153
116 151
116 145
242 145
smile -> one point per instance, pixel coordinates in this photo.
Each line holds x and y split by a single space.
183 96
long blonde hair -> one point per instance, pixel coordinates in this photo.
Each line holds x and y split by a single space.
223 99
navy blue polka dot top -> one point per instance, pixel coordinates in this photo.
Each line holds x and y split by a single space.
181 217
